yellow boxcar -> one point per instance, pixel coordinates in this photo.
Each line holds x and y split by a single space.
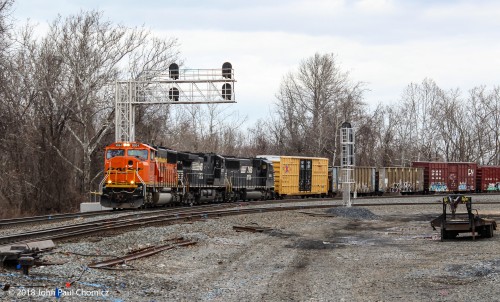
295 175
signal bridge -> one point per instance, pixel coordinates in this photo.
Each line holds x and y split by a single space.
180 86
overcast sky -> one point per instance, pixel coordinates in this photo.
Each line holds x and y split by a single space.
385 43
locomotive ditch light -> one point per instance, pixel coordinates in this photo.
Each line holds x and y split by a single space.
109 181
132 182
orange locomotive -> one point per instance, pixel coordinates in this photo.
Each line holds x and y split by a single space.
136 175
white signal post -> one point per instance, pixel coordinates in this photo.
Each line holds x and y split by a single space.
347 163
180 86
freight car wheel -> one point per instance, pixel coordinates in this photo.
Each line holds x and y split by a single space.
487 231
448 234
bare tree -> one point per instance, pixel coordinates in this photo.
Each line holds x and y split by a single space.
415 122
313 102
5 6
60 95
484 117
91 52
374 131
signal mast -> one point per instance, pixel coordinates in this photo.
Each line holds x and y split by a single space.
347 163
180 86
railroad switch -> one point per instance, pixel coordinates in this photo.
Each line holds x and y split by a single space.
25 255
26 262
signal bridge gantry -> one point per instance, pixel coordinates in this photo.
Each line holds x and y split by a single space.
180 86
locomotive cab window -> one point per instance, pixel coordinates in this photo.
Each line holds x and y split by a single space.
114 152
140 154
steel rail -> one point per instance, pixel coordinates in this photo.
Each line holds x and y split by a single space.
54 232
145 252
50 218
121 223
66 216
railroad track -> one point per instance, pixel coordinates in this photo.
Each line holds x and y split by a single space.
135 219
66 216
50 218
168 216
179 215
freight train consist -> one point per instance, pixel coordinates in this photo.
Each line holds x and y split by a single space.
139 175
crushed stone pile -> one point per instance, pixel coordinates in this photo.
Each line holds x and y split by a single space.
354 213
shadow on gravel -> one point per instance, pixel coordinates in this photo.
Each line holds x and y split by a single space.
312 244
478 269
280 234
301 264
353 213
464 274
411 218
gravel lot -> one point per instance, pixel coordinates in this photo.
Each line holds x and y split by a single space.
387 253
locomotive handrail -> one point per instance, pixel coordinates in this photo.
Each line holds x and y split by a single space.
106 175
102 182
229 184
140 179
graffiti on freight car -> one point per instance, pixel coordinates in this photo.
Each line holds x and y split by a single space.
493 187
401 187
363 188
462 186
438 187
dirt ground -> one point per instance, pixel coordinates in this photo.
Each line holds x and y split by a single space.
395 257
